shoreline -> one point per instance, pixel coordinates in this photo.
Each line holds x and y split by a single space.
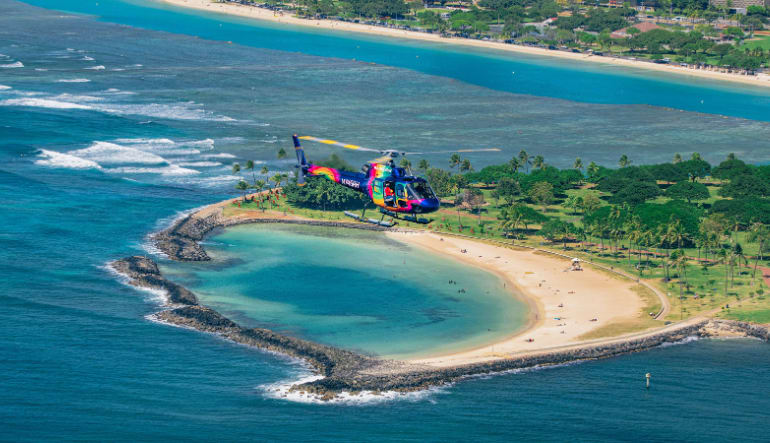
257 13
344 371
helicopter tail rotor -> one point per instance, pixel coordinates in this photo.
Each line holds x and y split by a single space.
301 162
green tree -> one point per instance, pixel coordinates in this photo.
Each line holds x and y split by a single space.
250 165
281 153
524 159
466 166
423 165
454 160
242 186
539 162
624 161
758 233
688 191
508 189
542 194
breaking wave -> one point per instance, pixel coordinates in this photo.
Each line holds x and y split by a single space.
170 170
281 391
4 88
43 103
73 80
13 65
61 160
96 68
111 153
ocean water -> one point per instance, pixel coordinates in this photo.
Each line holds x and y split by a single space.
396 300
92 159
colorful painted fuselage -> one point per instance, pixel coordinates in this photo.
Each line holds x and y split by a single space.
388 187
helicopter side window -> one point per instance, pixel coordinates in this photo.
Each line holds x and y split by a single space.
400 191
422 190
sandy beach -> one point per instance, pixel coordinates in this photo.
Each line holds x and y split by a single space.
563 302
265 14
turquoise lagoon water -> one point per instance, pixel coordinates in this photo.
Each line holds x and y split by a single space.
354 289
88 168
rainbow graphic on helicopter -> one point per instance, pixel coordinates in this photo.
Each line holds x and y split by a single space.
396 193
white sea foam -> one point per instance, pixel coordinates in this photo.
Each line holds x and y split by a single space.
43 103
118 69
73 80
220 155
41 69
62 160
170 170
87 58
158 296
4 88
12 65
201 164
146 141
106 153
74 98
680 342
206 143
166 111
281 391
95 68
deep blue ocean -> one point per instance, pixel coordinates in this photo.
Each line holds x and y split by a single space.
115 119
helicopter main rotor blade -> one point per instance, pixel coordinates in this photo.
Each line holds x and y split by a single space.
336 143
453 151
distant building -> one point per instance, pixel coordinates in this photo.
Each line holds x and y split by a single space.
740 4
642 27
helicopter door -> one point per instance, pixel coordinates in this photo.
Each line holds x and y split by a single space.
401 195
389 193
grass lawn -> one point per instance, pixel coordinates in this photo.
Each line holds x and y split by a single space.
757 42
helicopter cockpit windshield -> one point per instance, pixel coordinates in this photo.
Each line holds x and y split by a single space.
419 189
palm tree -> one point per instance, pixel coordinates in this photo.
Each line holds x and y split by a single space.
677 158
514 164
524 159
242 186
236 168
695 156
592 169
679 261
277 179
725 258
250 165
466 166
578 164
758 233
538 162
454 160
624 161
616 227
423 165
510 217
281 153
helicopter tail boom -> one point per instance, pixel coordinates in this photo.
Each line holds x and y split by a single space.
301 162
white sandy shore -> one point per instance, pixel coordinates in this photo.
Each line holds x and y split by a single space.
545 283
264 14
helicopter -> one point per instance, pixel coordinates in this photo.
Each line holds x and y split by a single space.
396 193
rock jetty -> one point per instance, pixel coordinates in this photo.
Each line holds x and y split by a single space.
347 371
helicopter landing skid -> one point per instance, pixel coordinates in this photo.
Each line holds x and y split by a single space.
373 221
409 218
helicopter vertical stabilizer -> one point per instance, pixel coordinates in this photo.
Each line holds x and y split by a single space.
301 162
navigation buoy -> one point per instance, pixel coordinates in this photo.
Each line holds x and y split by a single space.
647 376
